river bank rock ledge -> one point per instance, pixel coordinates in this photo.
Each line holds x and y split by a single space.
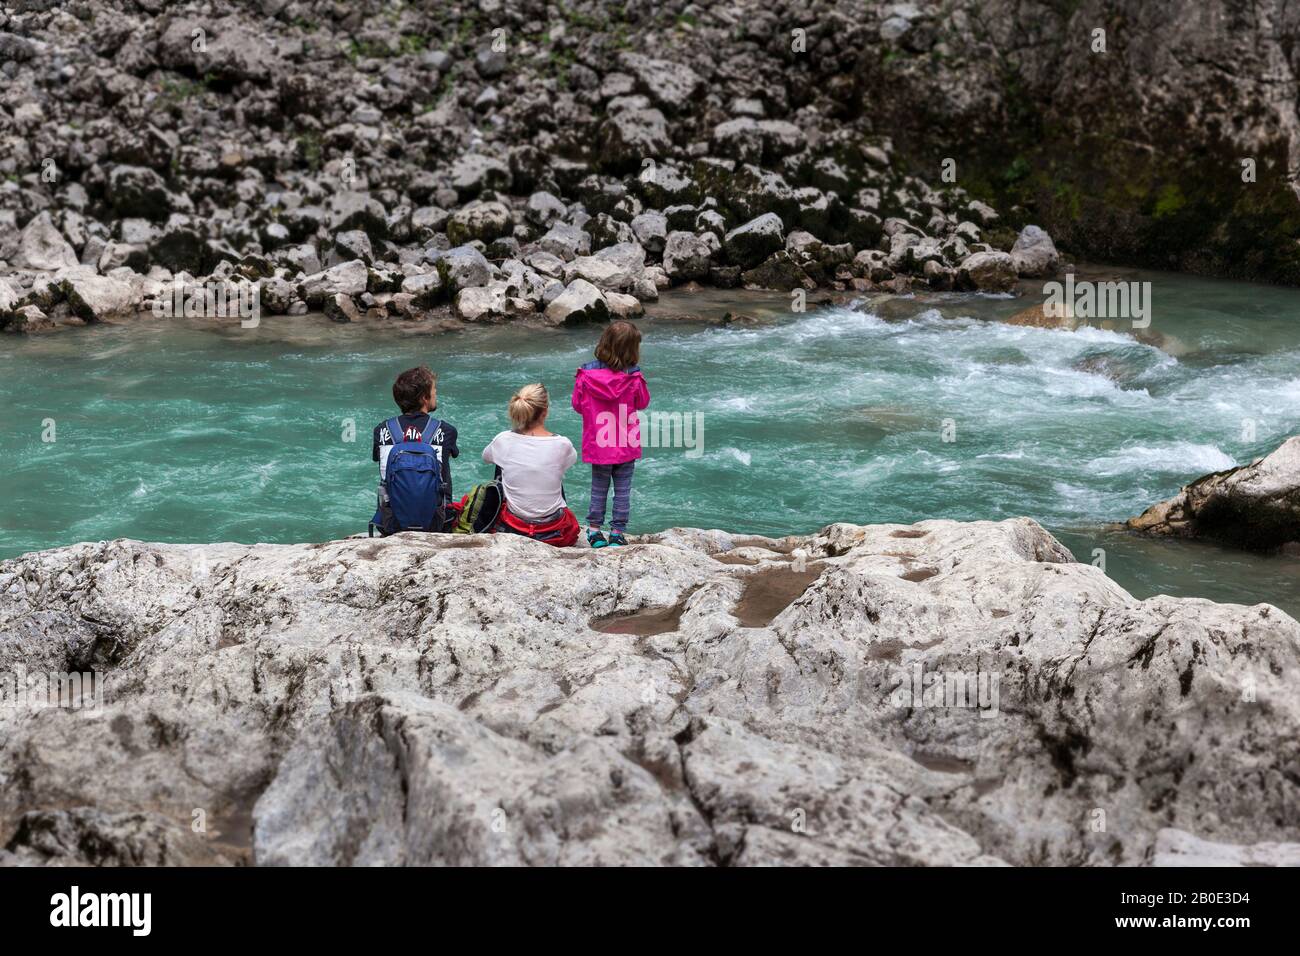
470 163
1254 506
696 698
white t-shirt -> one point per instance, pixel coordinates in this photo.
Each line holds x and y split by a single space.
532 471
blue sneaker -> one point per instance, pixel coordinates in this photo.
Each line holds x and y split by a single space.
596 539
616 539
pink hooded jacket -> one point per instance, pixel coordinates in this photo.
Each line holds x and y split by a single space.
608 402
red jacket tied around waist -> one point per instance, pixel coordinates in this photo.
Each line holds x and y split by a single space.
608 402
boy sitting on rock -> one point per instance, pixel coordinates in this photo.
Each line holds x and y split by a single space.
416 496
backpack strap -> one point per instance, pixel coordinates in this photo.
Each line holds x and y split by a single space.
395 431
429 430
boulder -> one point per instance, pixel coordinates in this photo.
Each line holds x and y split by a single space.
463 268
1254 506
425 289
566 241
41 247
579 302
664 185
624 306
8 296
356 209
631 136
747 140
749 191
225 48
27 319
740 139
522 281
671 85
605 231
943 693
651 230
473 173
779 271
428 221
1034 254
341 308
687 257
546 264
615 268
138 191
349 279
277 295
985 213
300 259
491 303
543 210
179 245
987 272
354 244
99 298
749 244
115 255
483 221
820 261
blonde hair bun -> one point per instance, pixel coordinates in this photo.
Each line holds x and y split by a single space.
528 405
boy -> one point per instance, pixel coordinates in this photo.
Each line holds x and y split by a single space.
416 394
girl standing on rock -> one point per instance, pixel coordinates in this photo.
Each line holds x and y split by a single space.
608 393
533 461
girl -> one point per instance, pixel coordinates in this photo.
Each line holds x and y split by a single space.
533 462
608 393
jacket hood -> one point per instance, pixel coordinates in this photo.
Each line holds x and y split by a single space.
611 386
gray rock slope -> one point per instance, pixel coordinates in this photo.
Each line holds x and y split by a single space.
696 699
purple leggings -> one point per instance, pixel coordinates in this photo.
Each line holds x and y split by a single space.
601 475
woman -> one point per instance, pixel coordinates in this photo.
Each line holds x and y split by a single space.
533 462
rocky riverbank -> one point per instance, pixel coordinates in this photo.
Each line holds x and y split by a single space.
941 693
268 142
483 163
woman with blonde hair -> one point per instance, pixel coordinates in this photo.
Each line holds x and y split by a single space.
533 461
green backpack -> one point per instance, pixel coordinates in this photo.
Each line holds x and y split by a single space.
480 509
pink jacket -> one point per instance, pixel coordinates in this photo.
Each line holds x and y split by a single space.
608 402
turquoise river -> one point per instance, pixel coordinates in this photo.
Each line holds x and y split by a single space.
167 431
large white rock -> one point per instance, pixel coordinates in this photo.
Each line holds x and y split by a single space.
616 268
697 698
688 256
988 272
565 241
1034 254
346 278
463 267
579 302
1254 506
491 303
42 248
100 298
8 296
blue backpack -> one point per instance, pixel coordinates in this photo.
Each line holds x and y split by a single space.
410 494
